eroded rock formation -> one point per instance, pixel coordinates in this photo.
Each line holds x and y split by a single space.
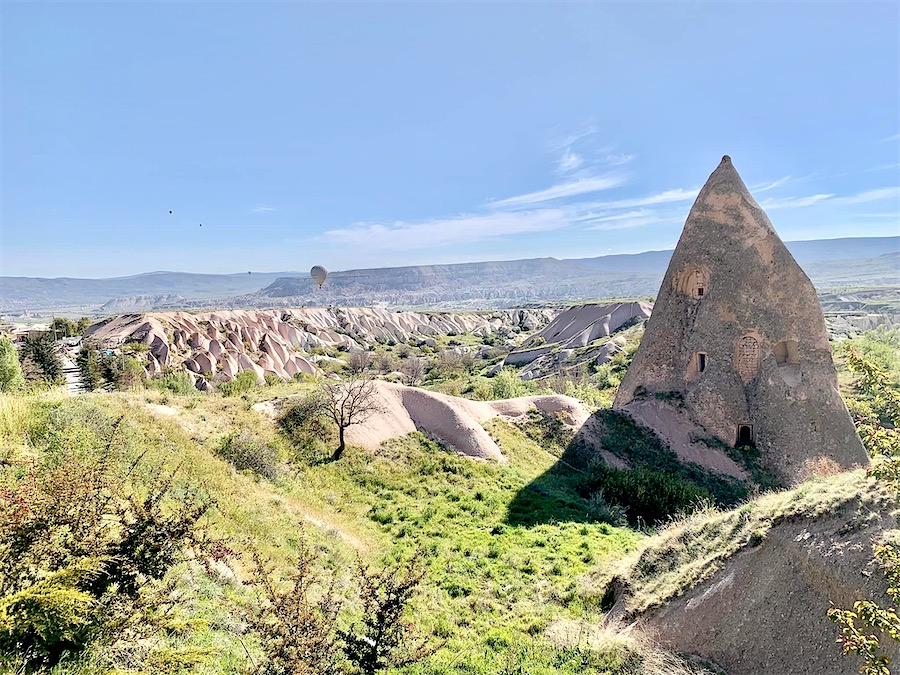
218 345
737 341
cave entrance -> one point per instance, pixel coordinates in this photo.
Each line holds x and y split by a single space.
744 435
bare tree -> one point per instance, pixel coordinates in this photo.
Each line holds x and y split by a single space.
359 362
413 370
348 402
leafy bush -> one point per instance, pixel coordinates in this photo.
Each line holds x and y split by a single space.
123 372
11 378
244 381
648 497
82 553
508 384
89 364
308 427
180 383
247 452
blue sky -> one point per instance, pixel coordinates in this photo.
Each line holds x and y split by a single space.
367 135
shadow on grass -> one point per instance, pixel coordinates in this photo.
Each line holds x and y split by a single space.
656 486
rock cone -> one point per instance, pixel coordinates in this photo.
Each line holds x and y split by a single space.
737 340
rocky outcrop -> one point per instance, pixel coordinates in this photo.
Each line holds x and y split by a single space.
218 345
738 339
750 589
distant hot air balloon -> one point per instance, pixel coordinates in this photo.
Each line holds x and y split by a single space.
319 274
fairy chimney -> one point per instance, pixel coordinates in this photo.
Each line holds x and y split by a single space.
738 339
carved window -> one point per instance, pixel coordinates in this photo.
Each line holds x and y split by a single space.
786 353
693 282
744 436
696 365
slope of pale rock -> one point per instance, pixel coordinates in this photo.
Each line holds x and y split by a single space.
456 422
764 607
219 344
575 328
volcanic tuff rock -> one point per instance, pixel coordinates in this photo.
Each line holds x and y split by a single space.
738 338
274 342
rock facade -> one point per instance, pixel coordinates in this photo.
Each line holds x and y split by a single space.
737 340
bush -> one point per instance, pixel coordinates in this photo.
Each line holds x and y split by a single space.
295 622
11 378
180 383
648 497
89 364
82 554
308 427
123 372
247 452
508 384
244 381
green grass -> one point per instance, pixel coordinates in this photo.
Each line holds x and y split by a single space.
494 586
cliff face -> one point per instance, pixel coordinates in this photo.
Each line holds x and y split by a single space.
738 336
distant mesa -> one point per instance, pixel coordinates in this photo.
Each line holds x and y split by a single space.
736 351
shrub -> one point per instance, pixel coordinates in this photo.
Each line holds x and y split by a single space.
244 381
180 383
88 361
295 622
648 497
308 427
82 554
11 378
381 637
508 384
247 452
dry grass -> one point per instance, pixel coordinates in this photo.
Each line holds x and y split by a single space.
693 548
616 637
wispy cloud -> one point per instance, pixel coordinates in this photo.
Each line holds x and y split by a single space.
580 186
793 202
569 162
876 195
623 221
765 187
444 231
895 137
665 197
262 208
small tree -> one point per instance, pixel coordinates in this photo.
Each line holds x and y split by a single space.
11 378
359 362
295 622
382 637
349 402
864 627
413 370
42 350
88 361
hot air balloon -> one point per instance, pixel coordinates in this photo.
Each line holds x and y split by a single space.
319 274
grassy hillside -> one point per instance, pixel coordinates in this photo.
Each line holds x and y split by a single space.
517 561
503 597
